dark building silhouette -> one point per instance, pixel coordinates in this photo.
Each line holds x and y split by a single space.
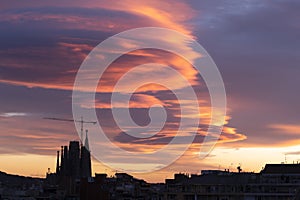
275 181
64 161
74 164
281 169
57 163
94 190
85 160
74 159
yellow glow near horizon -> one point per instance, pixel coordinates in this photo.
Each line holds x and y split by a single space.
27 164
251 159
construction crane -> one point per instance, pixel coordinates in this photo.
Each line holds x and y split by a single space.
81 121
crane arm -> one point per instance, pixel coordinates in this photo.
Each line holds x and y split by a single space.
59 119
70 120
86 122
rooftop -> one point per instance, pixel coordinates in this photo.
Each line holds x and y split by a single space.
281 169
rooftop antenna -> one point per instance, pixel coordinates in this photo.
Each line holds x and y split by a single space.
285 159
239 168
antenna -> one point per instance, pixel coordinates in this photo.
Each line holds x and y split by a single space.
239 168
285 159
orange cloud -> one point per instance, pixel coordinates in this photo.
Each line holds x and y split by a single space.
169 14
125 63
286 128
229 134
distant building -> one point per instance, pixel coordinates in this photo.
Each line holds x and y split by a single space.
94 189
274 182
73 164
15 187
75 161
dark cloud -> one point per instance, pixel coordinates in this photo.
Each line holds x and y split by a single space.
34 135
292 153
254 45
35 101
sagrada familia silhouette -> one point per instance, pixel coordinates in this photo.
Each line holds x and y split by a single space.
73 164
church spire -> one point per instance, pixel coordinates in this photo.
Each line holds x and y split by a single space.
86 143
85 159
57 164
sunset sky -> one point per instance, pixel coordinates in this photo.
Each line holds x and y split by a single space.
255 45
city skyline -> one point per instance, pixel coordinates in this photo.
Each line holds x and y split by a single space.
253 43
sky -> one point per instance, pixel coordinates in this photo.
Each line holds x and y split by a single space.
253 43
